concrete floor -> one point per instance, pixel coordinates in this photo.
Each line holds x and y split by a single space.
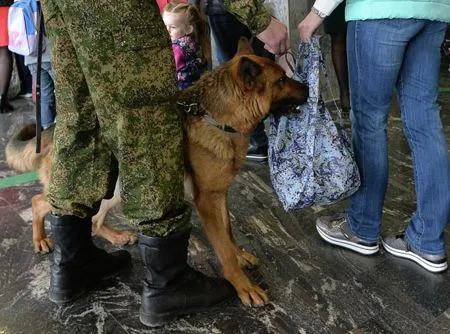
314 287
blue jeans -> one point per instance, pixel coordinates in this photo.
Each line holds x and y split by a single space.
48 107
384 55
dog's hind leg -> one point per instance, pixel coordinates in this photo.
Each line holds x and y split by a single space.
114 236
40 208
213 212
105 206
100 229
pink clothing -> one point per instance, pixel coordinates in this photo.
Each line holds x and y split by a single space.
163 3
189 61
4 26
178 54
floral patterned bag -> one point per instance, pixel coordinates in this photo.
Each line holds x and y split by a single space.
310 157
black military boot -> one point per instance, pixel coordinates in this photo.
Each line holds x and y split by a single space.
171 287
77 263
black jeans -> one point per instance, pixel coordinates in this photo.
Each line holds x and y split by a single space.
26 80
226 31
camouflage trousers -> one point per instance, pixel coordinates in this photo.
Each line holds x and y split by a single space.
114 82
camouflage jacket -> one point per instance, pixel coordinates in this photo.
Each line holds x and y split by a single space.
250 12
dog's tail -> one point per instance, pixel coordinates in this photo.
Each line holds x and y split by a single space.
20 150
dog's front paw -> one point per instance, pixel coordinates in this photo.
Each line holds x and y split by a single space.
252 295
43 245
246 260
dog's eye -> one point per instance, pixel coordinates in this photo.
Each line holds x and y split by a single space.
282 80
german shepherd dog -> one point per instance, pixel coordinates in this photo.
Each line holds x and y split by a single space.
220 111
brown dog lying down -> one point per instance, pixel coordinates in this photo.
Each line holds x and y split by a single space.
221 110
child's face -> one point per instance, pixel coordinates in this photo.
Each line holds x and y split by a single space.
176 25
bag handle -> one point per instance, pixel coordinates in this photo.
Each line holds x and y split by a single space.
308 51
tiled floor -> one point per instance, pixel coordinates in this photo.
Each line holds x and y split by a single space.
314 287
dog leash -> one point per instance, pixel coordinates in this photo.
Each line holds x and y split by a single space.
289 64
40 31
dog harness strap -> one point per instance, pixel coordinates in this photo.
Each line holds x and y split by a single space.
227 128
195 109
213 122
193 106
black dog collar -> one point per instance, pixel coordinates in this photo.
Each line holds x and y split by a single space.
196 110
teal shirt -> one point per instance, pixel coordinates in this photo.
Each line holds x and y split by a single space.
435 10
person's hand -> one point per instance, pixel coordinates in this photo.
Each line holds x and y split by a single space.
308 26
275 38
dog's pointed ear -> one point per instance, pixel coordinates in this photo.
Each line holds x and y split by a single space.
244 47
248 72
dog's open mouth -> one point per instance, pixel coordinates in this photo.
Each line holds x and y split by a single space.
290 104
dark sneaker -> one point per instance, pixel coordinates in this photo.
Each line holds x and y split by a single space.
258 154
335 230
397 245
